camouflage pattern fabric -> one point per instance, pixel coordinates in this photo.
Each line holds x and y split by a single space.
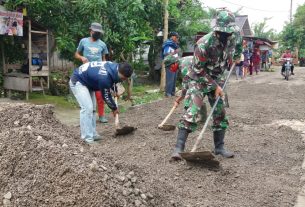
210 63
185 65
211 57
170 59
224 22
193 104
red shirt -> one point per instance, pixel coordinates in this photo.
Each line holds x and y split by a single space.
287 55
256 58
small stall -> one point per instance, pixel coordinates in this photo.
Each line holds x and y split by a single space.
31 73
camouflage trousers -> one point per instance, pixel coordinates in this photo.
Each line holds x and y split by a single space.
193 104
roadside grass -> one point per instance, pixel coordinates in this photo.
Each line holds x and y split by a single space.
64 102
143 94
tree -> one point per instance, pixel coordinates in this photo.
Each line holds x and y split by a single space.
260 29
165 33
187 17
124 22
293 34
127 23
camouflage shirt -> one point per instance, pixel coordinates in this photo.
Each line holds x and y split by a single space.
211 58
185 66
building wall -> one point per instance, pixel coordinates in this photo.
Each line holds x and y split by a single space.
57 63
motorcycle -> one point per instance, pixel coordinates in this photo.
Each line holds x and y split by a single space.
287 65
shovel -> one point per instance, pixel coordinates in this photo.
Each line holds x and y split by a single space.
167 127
121 130
207 155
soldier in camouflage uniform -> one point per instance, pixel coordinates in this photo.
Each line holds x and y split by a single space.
212 56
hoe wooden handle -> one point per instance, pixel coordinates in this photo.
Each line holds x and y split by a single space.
200 137
116 121
168 115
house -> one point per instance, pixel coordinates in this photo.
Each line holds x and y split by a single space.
30 72
243 23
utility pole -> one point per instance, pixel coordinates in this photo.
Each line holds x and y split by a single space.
165 34
290 11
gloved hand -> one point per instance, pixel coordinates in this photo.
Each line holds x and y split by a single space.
178 100
219 92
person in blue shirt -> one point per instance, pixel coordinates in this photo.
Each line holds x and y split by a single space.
94 49
170 46
96 76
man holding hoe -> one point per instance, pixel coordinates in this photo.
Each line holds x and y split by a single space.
212 56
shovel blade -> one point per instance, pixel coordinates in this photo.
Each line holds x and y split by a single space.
124 130
197 156
167 127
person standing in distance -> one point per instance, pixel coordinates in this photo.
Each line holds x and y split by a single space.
94 49
170 47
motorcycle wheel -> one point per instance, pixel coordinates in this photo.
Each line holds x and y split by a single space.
287 75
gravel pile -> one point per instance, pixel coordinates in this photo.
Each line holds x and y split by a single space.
44 163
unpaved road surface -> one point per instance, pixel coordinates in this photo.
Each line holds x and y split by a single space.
265 112
267 130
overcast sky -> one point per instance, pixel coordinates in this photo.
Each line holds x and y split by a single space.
257 10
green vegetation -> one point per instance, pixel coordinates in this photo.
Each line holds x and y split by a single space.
58 101
127 23
293 33
260 29
140 96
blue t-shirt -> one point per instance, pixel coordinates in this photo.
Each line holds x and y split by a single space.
93 51
98 76
168 47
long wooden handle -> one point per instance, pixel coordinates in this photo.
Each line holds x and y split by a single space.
168 115
130 86
200 137
116 121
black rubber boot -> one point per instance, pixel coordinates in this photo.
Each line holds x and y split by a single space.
181 139
218 142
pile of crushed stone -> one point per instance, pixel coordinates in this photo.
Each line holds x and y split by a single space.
44 163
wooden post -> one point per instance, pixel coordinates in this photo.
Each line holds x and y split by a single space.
296 55
30 55
290 12
3 58
165 34
48 61
3 63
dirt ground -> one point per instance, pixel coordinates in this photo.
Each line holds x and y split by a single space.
46 164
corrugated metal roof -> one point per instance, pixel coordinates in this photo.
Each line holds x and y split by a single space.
241 20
